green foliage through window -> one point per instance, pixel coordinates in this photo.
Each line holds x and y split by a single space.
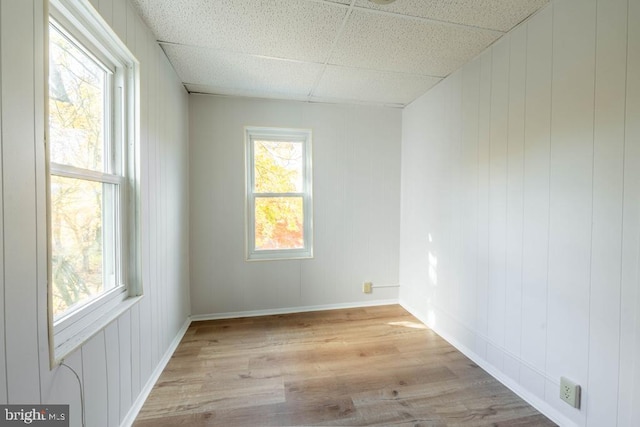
279 192
83 209
279 221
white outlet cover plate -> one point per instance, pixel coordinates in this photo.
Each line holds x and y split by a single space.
570 392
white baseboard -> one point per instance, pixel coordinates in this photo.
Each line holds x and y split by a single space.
142 397
288 310
532 399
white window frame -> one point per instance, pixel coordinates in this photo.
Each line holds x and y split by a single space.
303 136
80 21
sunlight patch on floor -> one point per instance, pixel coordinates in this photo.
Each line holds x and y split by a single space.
412 325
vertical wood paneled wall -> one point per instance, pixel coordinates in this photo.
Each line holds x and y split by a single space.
520 218
116 364
356 192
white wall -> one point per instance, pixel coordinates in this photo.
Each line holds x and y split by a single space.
524 167
115 364
356 168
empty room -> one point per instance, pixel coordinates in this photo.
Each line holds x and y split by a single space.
320 212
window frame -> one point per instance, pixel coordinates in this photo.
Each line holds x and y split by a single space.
303 136
79 22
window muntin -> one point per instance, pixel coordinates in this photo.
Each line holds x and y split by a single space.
93 186
279 210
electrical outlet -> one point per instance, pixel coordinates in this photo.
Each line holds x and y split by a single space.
367 287
570 392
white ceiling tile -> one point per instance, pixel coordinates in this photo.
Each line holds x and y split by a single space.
393 43
293 29
352 84
495 14
277 48
244 73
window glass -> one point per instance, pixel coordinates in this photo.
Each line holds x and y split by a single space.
77 89
82 242
279 202
84 217
278 166
279 223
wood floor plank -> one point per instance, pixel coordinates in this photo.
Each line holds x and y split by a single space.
373 366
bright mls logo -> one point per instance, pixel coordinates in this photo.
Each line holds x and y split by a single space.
36 415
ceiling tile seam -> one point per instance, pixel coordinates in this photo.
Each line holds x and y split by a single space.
238 89
312 100
173 67
330 99
490 45
330 3
332 48
236 52
383 71
429 20
493 43
222 95
298 61
334 100
420 18
530 16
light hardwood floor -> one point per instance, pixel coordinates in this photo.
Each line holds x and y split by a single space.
354 367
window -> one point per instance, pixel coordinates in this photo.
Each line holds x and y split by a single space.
92 186
279 203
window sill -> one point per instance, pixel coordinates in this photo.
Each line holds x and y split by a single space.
59 352
283 255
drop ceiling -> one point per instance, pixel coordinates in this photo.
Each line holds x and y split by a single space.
338 51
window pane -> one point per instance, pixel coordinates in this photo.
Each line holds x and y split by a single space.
279 223
76 105
277 167
82 239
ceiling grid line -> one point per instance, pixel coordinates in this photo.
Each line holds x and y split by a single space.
331 49
429 20
275 58
338 51
213 49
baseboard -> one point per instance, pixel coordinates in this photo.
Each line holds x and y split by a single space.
289 310
144 393
532 399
